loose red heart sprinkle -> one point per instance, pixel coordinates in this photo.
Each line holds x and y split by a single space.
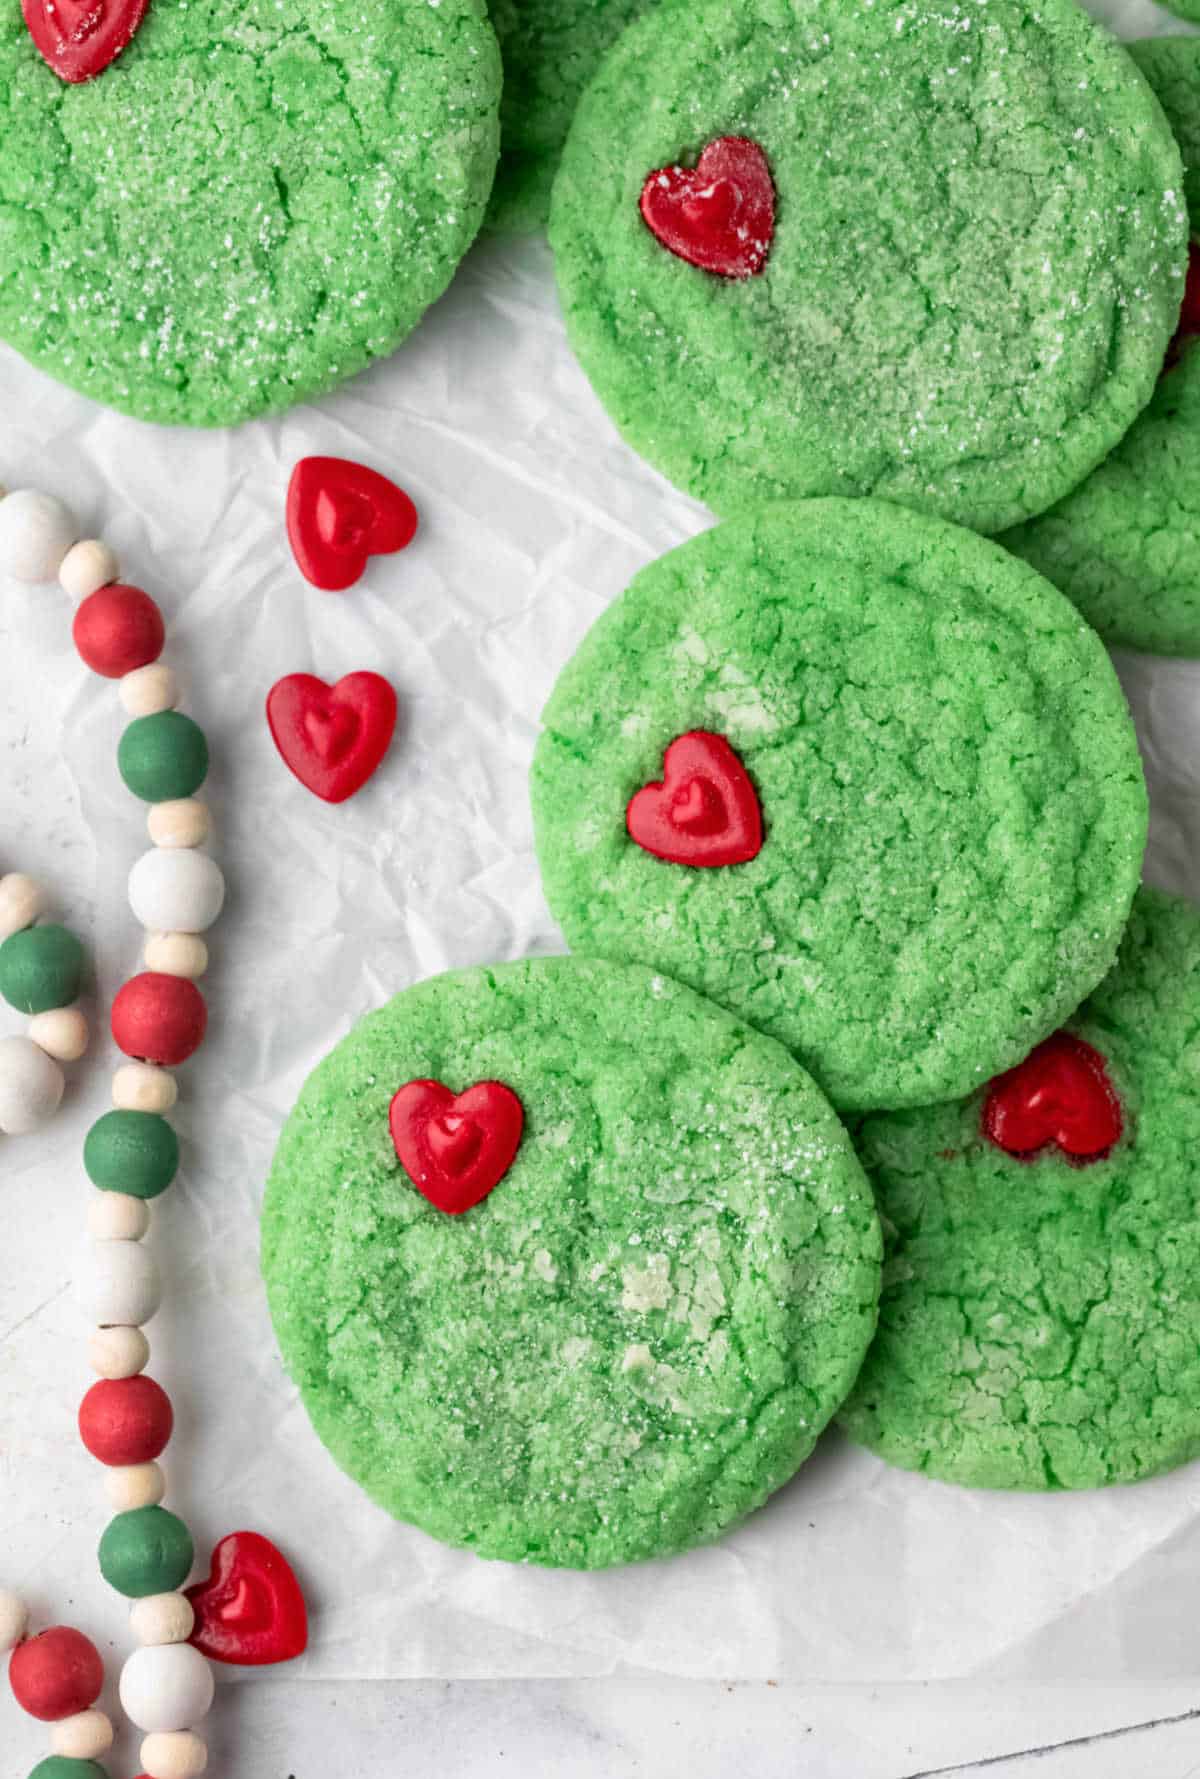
79 40
456 1148
1060 1095
704 812
1188 325
250 1610
332 737
718 215
340 513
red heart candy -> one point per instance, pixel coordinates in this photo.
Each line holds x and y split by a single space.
456 1148
80 40
332 737
338 514
250 1610
718 215
1188 325
1061 1095
704 812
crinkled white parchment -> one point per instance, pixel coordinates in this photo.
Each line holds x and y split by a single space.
534 517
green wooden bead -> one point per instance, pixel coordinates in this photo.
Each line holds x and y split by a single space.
41 968
134 1152
57 1766
148 1551
163 757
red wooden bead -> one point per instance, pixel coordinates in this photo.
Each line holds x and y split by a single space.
57 1674
125 1420
118 629
158 1018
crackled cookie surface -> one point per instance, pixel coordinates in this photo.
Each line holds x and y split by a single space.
1040 1324
249 205
941 762
1125 545
550 49
976 259
640 1330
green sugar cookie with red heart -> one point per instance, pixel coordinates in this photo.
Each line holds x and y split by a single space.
860 777
571 1267
1040 1323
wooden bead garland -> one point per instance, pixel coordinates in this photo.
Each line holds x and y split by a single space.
56 1677
40 969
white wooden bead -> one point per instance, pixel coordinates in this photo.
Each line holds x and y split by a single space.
117 1217
177 1755
161 1618
184 823
62 1033
82 1737
130 1486
148 690
118 1284
36 531
86 567
31 1086
166 1686
21 901
176 892
141 1087
177 954
118 1352
14 1619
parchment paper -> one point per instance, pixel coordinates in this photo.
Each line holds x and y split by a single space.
534 517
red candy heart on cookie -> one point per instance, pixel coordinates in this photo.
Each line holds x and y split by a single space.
250 1610
79 38
332 737
338 514
1059 1095
718 215
456 1148
704 812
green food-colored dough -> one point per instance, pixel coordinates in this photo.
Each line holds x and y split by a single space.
133 1152
1040 1326
148 1551
1125 546
954 806
163 757
57 1766
41 968
250 204
550 50
638 1334
977 262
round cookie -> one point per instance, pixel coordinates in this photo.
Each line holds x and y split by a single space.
1125 545
941 761
955 246
249 205
638 1330
1040 1325
550 50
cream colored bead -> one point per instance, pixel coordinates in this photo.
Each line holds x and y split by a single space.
118 1352
14 1620
62 1033
117 1217
130 1486
174 1754
21 901
82 1737
161 1618
185 823
86 567
177 954
141 1087
148 691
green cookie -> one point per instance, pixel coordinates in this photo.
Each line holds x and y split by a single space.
249 205
942 758
642 1329
1040 1326
976 264
550 50
1125 546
